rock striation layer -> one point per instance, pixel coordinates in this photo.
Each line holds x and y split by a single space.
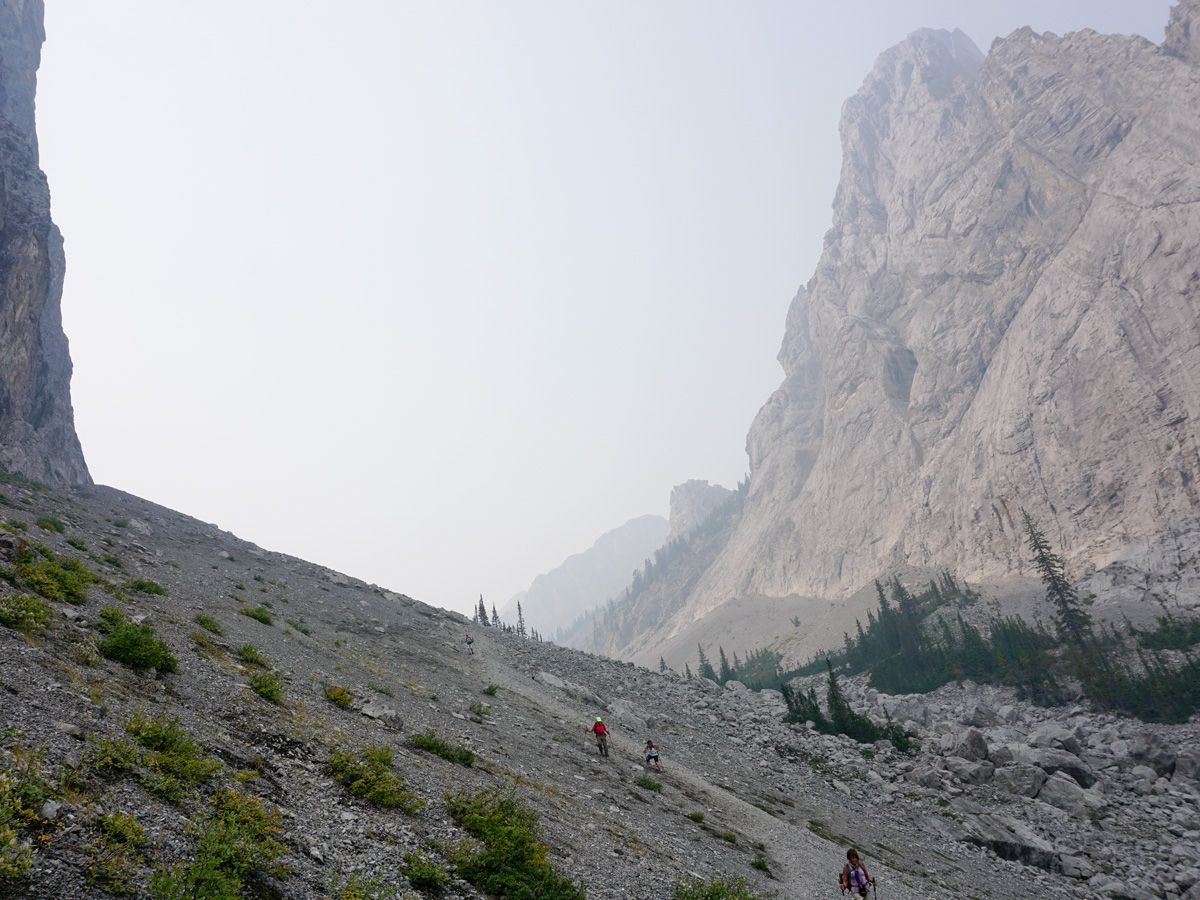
37 428
1006 316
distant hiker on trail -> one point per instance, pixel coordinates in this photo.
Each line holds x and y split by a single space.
470 642
855 878
651 754
601 732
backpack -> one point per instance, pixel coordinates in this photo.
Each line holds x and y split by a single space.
850 877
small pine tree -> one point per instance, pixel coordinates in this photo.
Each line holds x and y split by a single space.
687 671
520 620
495 616
726 673
662 665
704 667
1072 623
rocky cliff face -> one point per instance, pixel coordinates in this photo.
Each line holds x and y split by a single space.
37 430
692 503
1006 316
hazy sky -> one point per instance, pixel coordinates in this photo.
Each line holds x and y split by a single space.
435 293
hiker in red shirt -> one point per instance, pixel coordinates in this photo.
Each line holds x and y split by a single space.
601 732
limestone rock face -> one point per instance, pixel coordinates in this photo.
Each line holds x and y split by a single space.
1006 316
37 427
692 503
1183 31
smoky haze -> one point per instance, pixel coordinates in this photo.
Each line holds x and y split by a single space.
433 293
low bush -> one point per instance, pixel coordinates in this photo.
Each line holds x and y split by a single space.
248 653
509 859
24 613
258 613
491 689
425 874
649 784
77 544
716 889
268 686
136 646
172 763
51 523
114 855
696 816
208 623
370 776
339 696
363 887
146 586
61 579
235 842
760 863
727 836
430 742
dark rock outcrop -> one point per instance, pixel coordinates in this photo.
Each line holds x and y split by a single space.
37 425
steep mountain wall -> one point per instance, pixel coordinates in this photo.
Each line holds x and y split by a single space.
37 428
1006 316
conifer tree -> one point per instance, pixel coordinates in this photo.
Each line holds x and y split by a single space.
704 667
1072 623
495 616
725 673
662 665
687 671
520 620
481 615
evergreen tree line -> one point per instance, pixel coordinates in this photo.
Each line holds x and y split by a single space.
760 669
520 629
905 648
839 717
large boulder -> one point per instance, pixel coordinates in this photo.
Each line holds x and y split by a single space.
1151 750
1057 735
970 772
1064 792
1187 765
1051 761
970 745
979 714
1020 780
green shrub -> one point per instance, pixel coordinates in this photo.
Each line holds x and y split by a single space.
364 887
716 889
208 623
146 586
299 625
258 613
22 792
491 689
430 742
235 840
510 860
248 653
56 579
137 646
370 776
645 781
114 856
480 709
77 544
51 523
24 613
267 686
425 874
339 696
727 836
172 764
760 863
696 816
